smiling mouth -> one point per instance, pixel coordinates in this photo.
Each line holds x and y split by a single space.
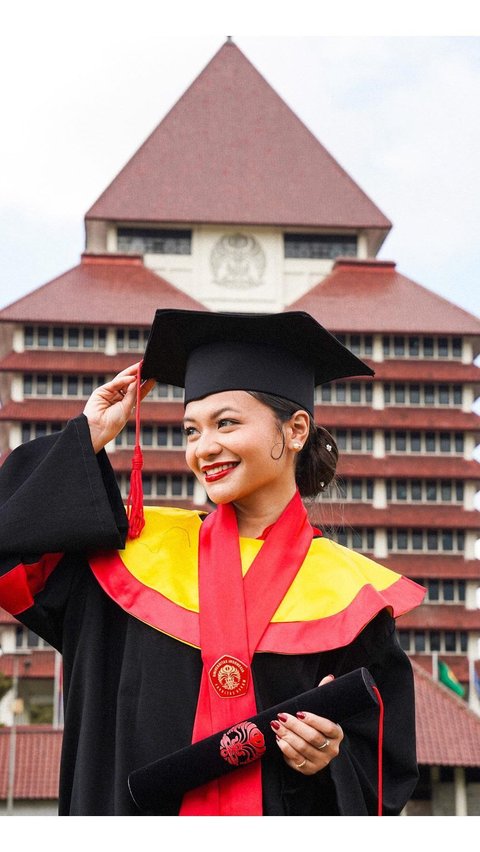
218 471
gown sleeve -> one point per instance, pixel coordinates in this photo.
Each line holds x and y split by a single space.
355 771
58 500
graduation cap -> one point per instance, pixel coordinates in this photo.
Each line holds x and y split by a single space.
285 354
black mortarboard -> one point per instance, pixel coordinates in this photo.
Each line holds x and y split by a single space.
156 786
284 354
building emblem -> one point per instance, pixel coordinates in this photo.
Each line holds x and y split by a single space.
229 677
238 261
242 744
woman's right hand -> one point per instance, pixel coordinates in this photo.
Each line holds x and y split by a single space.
110 406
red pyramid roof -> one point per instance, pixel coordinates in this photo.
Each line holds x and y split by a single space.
370 295
37 763
448 731
232 151
116 289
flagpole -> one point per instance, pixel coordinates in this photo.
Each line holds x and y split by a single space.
435 665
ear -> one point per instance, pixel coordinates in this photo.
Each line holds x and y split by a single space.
297 430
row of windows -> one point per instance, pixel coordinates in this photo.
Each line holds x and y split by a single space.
319 246
179 241
70 337
24 638
397 490
359 344
357 393
402 441
439 541
398 346
152 436
349 489
426 641
173 487
425 490
131 339
59 385
154 240
416 394
399 540
134 339
353 440
39 430
359 539
444 591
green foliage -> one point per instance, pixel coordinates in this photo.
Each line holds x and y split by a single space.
5 684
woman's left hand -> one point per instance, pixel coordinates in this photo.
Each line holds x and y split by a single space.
308 742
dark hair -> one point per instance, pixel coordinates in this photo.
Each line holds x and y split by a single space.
317 461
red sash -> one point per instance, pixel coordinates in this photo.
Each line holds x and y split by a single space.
234 614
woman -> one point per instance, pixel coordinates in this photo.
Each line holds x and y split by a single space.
131 624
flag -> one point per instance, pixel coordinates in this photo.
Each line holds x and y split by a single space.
447 677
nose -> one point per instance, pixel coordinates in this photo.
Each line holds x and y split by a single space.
207 445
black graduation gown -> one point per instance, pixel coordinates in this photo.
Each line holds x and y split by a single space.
130 691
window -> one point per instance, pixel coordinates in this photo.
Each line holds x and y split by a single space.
24 639
154 240
38 430
397 346
356 393
164 437
170 487
58 385
440 541
319 246
131 339
361 539
426 641
69 337
353 440
424 442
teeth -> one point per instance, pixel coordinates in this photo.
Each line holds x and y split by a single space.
214 470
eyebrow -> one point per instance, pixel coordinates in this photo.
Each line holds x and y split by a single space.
215 414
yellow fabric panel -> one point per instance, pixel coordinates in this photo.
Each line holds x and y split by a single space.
165 558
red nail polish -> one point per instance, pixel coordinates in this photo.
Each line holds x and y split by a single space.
282 717
300 715
275 725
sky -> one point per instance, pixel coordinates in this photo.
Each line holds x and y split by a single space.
85 83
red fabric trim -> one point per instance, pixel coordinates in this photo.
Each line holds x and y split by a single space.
380 752
19 586
294 637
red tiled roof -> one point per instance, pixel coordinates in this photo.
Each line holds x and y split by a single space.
440 617
115 289
232 151
408 466
38 664
395 515
368 294
62 410
360 417
166 461
448 731
37 764
46 361
433 565
424 371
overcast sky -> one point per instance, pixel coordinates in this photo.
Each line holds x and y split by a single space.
84 84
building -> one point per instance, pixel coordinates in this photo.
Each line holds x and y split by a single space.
231 203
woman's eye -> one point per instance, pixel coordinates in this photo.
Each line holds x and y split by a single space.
188 431
226 422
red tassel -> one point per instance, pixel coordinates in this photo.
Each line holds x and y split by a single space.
136 520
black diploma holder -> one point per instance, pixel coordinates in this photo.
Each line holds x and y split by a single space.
252 739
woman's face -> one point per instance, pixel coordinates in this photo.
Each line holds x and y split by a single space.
234 448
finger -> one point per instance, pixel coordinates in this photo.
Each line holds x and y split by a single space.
146 387
326 679
292 755
311 729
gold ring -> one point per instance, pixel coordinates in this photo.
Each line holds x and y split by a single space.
325 744
299 765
